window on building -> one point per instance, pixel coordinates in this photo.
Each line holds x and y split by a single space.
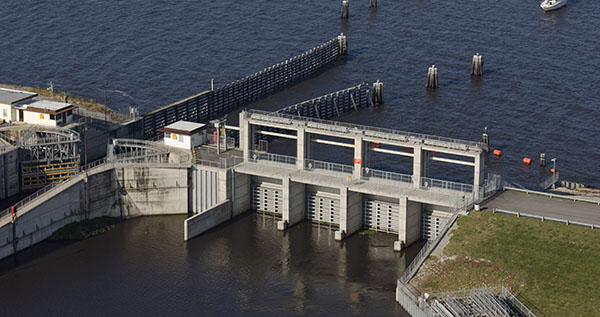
167 135
181 138
4 113
70 112
52 117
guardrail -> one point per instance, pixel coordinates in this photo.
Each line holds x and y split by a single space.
414 266
527 191
222 162
328 166
256 156
544 218
381 133
383 175
427 182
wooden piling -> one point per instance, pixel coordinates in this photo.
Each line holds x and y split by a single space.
372 3
377 93
477 65
345 9
485 139
432 77
542 159
343 44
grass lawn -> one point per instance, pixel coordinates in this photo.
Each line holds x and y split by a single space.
552 267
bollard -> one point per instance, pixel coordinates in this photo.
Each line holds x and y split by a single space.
432 77
477 65
542 159
343 44
485 139
344 9
372 3
377 93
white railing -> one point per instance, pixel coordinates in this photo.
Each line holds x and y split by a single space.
222 162
371 131
328 166
256 156
427 182
534 192
544 218
373 174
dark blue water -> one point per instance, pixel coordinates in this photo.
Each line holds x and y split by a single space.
539 92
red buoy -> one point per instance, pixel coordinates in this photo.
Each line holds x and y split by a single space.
526 161
497 152
552 171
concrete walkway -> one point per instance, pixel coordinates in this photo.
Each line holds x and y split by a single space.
546 206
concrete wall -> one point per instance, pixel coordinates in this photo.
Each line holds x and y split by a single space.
242 200
207 220
409 229
351 212
293 203
205 184
38 220
9 173
153 191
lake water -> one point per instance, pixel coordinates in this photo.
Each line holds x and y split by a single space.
539 93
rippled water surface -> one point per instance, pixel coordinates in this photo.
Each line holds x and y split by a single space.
540 93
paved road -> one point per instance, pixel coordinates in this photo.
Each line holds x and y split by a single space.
546 206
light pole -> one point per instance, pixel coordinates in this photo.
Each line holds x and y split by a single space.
554 164
105 106
554 179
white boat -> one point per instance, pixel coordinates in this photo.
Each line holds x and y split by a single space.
548 5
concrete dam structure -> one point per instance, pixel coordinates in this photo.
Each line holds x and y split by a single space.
148 178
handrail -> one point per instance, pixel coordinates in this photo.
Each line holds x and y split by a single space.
328 166
544 218
256 156
427 182
528 191
367 130
385 175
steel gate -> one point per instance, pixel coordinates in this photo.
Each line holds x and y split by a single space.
431 223
322 207
381 216
266 198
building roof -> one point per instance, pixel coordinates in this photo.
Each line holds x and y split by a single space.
11 96
183 127
45 106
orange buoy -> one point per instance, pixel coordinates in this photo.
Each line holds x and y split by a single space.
497 152
526 161
552 171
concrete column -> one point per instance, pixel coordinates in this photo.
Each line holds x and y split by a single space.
360 156
246 136
350 213
293 204
479 174
302 147
409 226
241 193
419 164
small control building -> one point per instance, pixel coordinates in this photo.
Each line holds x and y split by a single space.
184 134
10 98
45 112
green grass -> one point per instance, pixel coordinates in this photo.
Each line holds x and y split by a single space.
552 267
85 229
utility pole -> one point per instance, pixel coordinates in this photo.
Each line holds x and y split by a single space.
105 105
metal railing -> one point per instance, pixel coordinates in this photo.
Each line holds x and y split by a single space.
420 258
544 218
256 156
382 133
534 192
373 174
222 162
427 182
328 166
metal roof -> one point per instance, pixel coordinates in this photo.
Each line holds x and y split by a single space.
184 127
47 105
10 96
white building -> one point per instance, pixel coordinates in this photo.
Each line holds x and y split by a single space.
10 98
44 112
184 134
